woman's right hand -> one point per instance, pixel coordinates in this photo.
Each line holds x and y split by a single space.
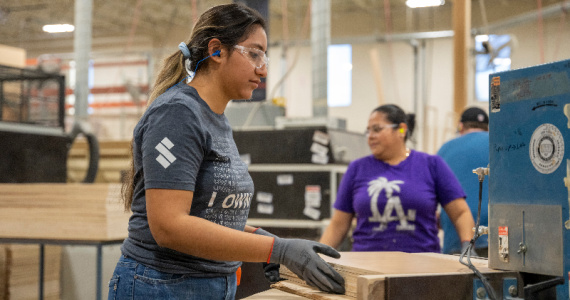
300 256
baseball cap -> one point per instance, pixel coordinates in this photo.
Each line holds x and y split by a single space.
474 114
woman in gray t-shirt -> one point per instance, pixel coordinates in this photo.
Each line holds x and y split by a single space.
188 189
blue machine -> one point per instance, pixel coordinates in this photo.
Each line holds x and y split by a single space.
529 180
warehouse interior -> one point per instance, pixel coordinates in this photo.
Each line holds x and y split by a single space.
69 102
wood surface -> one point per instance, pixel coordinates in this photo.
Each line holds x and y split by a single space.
365 272
91 212
19 278
114 158
274 294
371 287
12 56
405 263
344 266
3 272
307 291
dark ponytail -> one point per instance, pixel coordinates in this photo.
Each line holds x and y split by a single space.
411 122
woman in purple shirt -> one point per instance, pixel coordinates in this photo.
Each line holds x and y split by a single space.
394 193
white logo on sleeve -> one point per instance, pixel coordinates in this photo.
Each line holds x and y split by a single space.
165 158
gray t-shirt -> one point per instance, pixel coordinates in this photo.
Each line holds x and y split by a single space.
180 143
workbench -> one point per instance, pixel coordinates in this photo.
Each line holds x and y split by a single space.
399 275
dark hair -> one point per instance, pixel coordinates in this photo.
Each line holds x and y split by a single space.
478 125
229 23
395 115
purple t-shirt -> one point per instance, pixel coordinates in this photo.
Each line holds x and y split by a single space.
395 206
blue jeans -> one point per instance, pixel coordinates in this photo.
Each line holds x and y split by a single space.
133 281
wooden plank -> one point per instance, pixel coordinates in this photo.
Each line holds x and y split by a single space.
365 272
62 211
406 263
22 276
371 287
114 157
4 272
12 56
344 267
307 292
275 294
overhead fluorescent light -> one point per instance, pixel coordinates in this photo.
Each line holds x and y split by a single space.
424 3
55 28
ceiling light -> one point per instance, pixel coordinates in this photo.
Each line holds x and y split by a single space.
424 3
55 28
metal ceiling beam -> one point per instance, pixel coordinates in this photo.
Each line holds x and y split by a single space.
547 12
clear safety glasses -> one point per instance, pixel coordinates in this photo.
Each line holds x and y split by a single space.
256 57
376 129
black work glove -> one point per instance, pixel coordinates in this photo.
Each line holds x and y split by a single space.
271 270
301 257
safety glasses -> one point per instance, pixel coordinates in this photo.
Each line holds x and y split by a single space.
376 129
256 57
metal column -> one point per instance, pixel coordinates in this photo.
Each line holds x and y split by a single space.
320 40
82 46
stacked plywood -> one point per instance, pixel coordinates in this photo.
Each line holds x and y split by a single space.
19 272
350 273
3 272
55 212
114 157
366 273
62 211
12 56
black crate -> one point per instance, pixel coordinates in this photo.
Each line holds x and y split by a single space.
288 201
32 138
298 145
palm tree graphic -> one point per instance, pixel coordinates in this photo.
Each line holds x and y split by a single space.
375 187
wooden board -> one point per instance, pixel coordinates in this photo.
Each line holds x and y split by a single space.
274 294
406 263
365 272
12 56
350 272
20 272
306 291
114 158
90 212
4 274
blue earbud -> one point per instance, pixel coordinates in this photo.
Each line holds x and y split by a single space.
216 53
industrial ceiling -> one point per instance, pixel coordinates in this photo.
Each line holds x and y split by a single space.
127 24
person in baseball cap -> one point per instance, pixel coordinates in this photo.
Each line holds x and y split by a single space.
473 118
464 154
